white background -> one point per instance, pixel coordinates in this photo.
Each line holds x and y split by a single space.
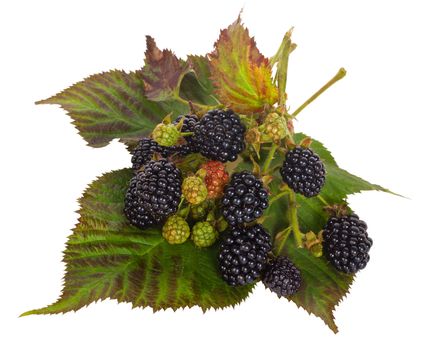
377 122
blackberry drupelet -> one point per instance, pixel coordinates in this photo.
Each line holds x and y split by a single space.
160 183
282 277
243 254
303 171
346 243
144 151
244 199
135 210
219 135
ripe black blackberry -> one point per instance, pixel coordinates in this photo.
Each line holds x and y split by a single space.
243 254
282 277
244 199
346 243
135 210
219 135
189 122
144 151
160 187
303 171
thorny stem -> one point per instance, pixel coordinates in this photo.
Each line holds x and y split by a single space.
293 216
340 75
269 157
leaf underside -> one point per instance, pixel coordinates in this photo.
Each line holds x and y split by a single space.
106 258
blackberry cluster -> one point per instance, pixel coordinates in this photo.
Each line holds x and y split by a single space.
243 254
303 171
135 208
244 199
159 188
219 135
282 277
346 243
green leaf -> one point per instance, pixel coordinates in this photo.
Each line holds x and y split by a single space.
323 287
339 183
196 86
108 258
112 105
162 73
241 74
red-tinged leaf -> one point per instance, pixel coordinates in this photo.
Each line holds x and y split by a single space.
112 105
241 74
162 72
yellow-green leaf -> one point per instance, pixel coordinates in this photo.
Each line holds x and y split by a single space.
241 74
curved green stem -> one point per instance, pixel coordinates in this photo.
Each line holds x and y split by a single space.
278 196
340 75
323 200
269 158
279 245
293 215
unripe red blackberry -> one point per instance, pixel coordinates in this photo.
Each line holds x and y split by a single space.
216 178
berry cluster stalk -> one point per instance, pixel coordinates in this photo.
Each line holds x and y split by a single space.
282 60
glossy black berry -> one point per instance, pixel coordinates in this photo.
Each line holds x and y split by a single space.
144 151
303 171
219 135
135 210
189 122
243 254
160 187
346 243
282 277
244 199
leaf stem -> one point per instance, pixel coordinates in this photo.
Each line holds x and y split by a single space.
278 196
323 200
340 75
283 240
269 157
282 65
293 215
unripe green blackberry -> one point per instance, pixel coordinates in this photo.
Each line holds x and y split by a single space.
199 211
275 127
194 189
204 234
166 134
175 230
